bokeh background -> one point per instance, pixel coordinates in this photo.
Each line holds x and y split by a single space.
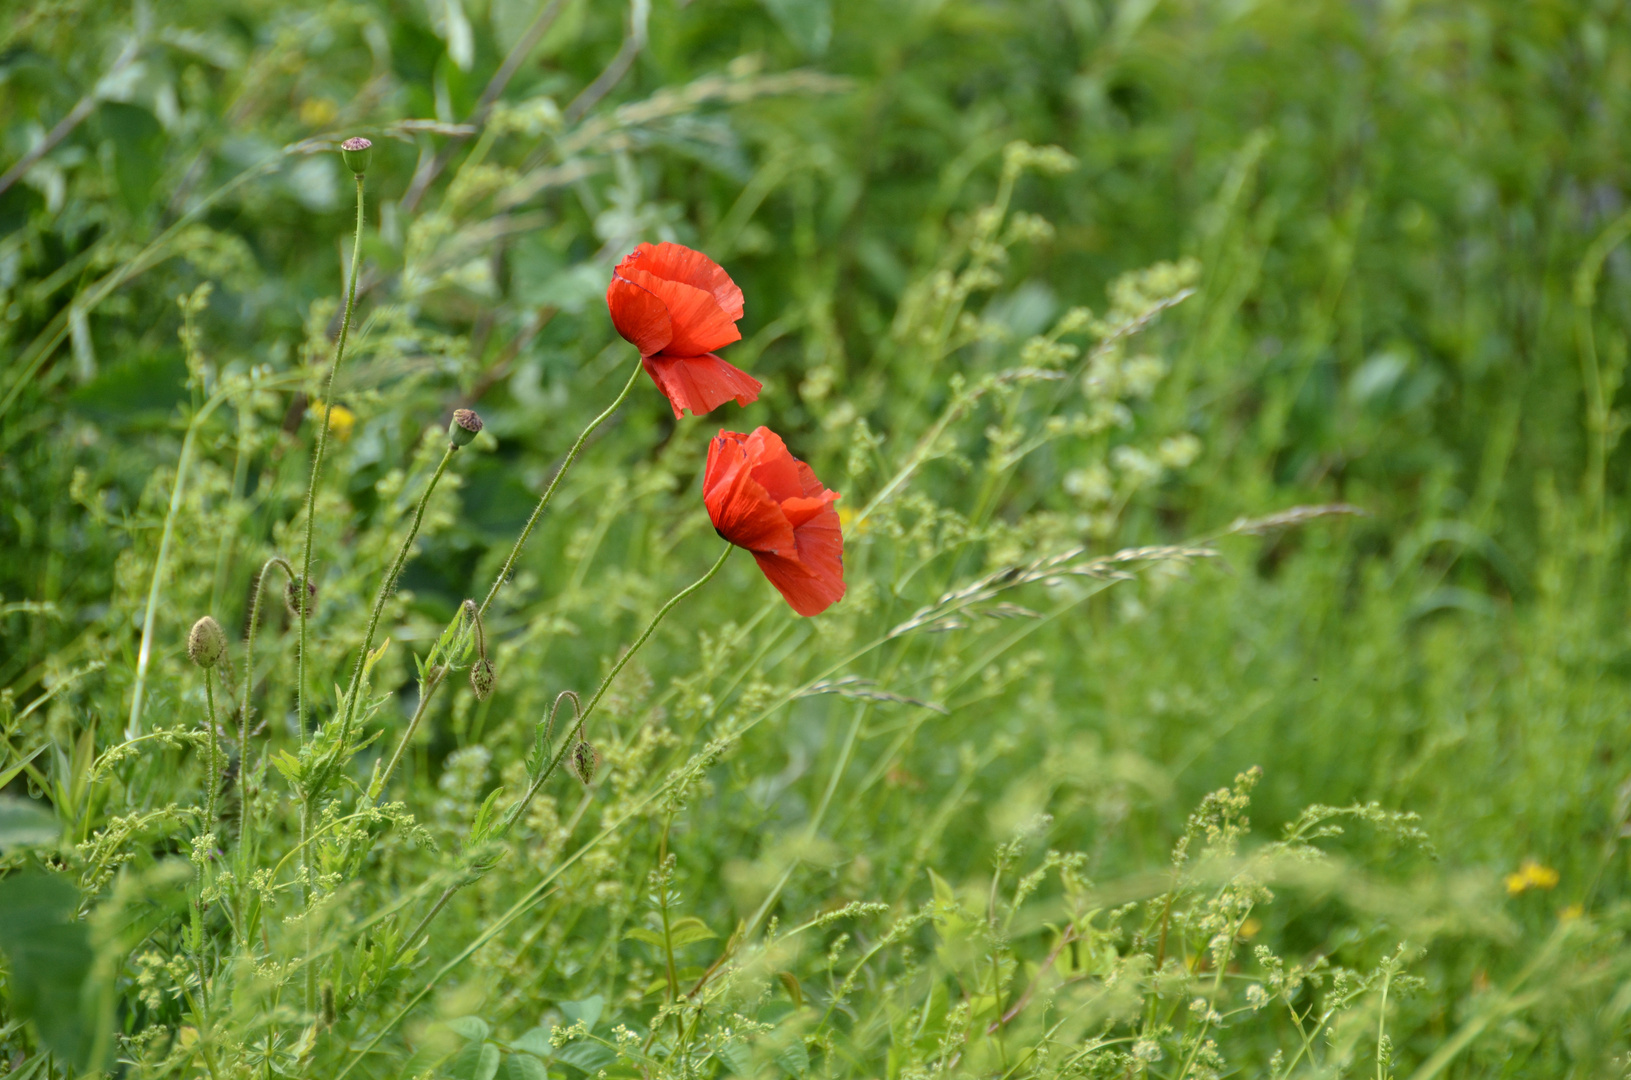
1410 295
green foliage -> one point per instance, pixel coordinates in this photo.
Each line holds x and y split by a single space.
1211 384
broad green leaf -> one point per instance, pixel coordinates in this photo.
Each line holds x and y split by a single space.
587 1055
473 1028
640 933
737 1057
588 1010
536 1041
50 956
689 930
522 1067
25 823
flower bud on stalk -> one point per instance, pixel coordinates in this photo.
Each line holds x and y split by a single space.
291 599
464 427
481 679
585 760
206 643
357 152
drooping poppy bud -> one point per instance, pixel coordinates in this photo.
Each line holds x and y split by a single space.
206 643
357 152
585 760
464 427
482 679
291 599
677 306
765 500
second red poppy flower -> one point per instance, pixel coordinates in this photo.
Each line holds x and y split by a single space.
677 306
762 498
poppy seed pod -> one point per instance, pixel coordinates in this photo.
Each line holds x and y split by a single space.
291 599
585 760
206 643
464 427
357 151
482 679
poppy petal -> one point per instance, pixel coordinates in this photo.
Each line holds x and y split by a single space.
740 509
699 324
679 263
640 316
806 592
700 383
772 465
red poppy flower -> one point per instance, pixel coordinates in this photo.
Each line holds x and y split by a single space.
764 499
677 306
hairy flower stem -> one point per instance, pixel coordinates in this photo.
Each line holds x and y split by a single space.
246 805
317 458
387 586
549 492
437 678
600 691
214 768
566 743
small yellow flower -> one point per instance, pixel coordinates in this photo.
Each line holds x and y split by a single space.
1571 913
316 112
846 515
340 419
1250 929
1530 875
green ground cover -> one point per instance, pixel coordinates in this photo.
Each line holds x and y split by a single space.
1225 398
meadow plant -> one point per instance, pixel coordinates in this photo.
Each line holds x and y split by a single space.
849 824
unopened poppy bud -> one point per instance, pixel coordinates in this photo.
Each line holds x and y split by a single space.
291 599
481 679
357 151
325 997
464 427
206 643
585 760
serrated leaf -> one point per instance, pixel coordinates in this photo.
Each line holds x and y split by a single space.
25 823
795 1058
737 1058
289 765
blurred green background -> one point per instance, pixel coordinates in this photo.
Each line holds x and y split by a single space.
1414 298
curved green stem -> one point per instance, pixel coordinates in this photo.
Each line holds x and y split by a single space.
317 456
246 804
388 584
600 691
549 492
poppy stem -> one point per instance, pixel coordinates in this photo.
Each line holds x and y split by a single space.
605 684
388 586
317 460
549 492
